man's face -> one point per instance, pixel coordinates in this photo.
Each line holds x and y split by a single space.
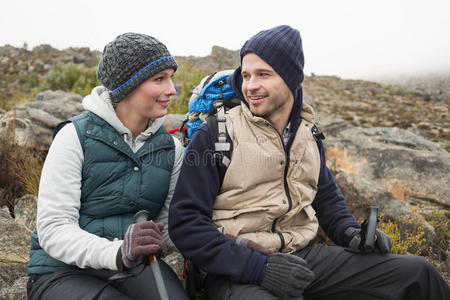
265 91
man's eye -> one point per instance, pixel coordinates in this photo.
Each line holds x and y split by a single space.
245 76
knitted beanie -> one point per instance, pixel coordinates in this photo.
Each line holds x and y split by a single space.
129 60
281 48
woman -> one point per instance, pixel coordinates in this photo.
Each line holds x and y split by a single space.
103 167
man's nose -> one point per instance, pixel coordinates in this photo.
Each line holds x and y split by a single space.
253 83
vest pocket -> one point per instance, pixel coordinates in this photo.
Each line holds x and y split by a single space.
240 221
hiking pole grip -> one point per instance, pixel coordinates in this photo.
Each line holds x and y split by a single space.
139 217
370 234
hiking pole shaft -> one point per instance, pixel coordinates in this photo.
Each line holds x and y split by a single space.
142 216
158 278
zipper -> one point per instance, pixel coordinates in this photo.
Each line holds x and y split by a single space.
286 186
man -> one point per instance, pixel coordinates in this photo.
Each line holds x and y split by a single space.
252 233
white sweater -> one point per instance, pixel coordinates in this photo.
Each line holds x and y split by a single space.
60 190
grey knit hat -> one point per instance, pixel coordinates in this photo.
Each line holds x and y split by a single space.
129 60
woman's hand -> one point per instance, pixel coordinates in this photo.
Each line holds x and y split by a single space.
141 240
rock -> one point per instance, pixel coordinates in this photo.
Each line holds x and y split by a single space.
176 261
174 121
32 124
17 289
14 251
25 210
394 159
383 167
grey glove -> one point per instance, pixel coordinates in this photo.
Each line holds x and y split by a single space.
383 243
286 276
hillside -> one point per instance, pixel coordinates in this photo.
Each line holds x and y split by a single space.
421 105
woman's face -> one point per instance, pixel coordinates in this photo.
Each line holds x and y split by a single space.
151 98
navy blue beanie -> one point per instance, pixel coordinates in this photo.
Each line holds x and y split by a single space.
281 48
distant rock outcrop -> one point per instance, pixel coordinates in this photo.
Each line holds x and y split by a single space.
219 59
42 58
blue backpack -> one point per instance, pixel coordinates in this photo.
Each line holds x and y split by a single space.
212 88
210 101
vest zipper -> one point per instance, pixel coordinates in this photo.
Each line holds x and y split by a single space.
286 187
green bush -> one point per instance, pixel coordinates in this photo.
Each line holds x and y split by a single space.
70 78
16 89
186 78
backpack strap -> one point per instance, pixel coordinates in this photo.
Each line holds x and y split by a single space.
220 139
317 134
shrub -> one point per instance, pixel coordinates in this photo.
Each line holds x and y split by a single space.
440 220
405 241
406 232
186 78
70 78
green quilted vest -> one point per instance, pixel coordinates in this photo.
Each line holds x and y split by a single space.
116 183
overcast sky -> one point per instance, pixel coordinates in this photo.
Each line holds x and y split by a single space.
351 39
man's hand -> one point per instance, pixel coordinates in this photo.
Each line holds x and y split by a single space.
286 276
249 244
141 239
383 243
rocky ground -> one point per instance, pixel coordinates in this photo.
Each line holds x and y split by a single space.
369 104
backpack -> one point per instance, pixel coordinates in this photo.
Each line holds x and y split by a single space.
210 101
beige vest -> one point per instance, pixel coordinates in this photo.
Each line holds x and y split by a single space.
253 201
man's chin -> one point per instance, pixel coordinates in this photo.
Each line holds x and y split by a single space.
257 112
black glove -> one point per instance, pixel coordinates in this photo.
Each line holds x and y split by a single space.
383 243
286 276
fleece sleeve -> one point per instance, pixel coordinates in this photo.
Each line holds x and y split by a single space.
164 213
190 218
330 206
58 208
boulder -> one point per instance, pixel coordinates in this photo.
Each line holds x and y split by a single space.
32 123
174 121
387 163
392 168
14 251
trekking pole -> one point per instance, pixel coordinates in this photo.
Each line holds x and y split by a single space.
139 217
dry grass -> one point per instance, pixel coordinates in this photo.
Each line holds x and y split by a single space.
19 171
